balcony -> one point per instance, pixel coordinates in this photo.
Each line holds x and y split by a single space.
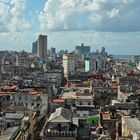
54 133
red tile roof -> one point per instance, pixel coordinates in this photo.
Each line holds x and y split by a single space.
58 100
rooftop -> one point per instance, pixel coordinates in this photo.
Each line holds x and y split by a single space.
106 116
31 91
70 54
26 118
13 116
6 93
73 95
133 123
60 115
122 112
9 133
58 100
8 87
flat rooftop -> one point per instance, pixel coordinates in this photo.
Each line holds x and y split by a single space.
7 93
9 133
73 95
133 123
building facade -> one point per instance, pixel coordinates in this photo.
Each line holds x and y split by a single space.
82 50
98 61
42 46
34 47
69 63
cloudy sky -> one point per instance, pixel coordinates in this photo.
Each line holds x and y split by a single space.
114 24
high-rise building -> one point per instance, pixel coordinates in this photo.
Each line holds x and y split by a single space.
98 61
34 47
42 46
87 65
52 53
69 64
52 50
82 50
103 50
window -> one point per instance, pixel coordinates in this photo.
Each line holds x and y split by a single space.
13 97
80 103
26 98
7 98
89 103
85 115
73 105
19 98
38 105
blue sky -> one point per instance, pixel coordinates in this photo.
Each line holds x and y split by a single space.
110 23
34 5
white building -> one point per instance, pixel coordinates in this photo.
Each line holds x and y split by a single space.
87 67
130 128
78 98
81 103
138 65
69 63
22 59
31 100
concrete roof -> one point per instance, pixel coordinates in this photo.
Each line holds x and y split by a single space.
58 100
60 115
106 116
26 118
9 133
133 124
8 87
73 95
13 116
7 93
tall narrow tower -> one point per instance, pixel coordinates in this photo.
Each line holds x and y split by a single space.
69 64
42 46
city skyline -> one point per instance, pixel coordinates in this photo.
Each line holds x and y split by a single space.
97 23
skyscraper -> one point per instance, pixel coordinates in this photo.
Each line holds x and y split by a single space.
52 50
42 46
82 50
34 47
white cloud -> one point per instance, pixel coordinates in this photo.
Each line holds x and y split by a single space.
4 9
12 17
5 1
78 15
62 14
18 22
99 15
115 43
113 13
4 16
18 25
17 41
19 7
14 28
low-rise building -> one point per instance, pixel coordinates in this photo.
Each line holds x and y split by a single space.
130 128
60 126
76 98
